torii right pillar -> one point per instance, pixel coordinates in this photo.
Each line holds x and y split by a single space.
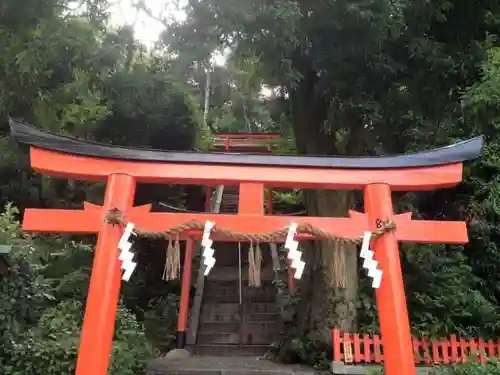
391 300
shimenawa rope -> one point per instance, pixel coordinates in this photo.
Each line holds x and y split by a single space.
115 217
172 264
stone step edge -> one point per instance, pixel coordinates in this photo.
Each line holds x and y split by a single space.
193 347
238 321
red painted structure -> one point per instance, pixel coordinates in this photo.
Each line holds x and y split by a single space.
250 143
123 168
366 349
244 142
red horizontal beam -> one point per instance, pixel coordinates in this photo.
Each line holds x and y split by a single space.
90 221
426 231
90 168
248 135
62 221
221 143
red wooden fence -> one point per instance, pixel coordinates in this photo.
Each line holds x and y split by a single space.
355 348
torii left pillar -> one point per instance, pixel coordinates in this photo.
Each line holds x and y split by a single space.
104 289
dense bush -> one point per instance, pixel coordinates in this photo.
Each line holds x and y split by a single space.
473 368
39 333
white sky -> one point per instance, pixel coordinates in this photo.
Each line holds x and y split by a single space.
147 29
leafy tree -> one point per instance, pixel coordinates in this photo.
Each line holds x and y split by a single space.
360 77
71 75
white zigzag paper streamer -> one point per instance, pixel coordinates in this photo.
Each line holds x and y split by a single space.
208 252
293 254
126 256
369 263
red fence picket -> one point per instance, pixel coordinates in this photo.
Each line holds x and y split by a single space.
354 348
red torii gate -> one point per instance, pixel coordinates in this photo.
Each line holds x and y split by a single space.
123 168
244 142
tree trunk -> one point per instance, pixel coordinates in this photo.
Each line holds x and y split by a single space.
330 282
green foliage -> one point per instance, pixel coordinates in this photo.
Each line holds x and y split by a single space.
443 294
49 346
74 108
345 77
22 294
376 78
130 349
473 367
39 323
52 344
296 345
149 109
314 353
160 320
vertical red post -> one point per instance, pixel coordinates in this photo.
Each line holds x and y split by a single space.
185 289
104 289
367 342
391 299
337 356
251 199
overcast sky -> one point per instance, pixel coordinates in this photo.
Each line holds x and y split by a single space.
147 29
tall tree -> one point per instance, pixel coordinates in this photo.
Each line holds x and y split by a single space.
362 77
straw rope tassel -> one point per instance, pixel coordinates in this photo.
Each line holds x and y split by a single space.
177 256
168 256
251 265
172 260
258 266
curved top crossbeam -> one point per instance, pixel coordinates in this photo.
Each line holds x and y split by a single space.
456 153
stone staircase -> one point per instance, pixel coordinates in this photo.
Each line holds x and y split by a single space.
234 318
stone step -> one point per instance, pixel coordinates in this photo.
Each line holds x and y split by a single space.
232 286
235 317
266 292
228 308
264 307
228 361
229 350
246 290
260 339
218 298
234 308
236 338
212 298
220 327
220 308
234 298
231 273
224 283
217 338
260 328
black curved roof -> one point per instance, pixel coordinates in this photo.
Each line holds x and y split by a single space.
458 152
